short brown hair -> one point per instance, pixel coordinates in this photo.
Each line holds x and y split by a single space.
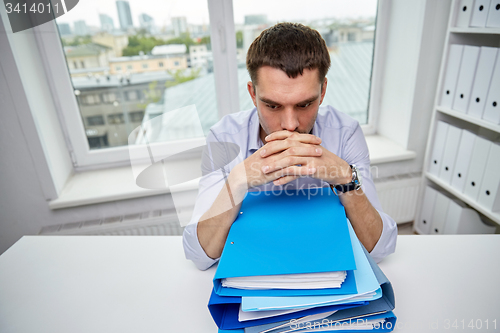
291 47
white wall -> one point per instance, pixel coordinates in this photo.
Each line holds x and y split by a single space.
416 35
33 169
27 172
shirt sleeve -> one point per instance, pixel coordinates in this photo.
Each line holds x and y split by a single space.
214 171
356 152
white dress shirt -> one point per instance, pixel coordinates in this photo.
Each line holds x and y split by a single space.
340 134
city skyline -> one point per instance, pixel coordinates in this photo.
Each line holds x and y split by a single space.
196 11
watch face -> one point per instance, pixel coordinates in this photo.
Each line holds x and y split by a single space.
356 177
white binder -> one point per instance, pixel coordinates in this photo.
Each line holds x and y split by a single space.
470 223
477 165
463 220
463 160
480 13
454 217
465 78
493 20
484 72
450 153
464 13
438 149
451 74
439 214
492 107
425 222
489 195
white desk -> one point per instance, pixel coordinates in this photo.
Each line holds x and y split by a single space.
144 284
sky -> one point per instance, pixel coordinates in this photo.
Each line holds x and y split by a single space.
196 11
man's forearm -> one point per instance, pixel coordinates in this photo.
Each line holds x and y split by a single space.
214 225
365 219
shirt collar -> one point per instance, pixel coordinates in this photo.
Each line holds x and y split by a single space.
254 141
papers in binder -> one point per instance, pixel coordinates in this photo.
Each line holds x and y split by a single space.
288 281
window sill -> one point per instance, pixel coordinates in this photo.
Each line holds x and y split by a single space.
98 186
383 150
105 185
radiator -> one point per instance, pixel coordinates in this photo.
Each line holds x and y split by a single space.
399 197
155 223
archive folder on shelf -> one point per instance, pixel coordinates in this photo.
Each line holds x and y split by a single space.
451 76
484 72
293 232
463 160
438 149
425 222
450 153
464 14
480 13
465 78
493 20
492 108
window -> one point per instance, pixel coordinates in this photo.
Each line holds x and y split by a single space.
136 116
349 77
108 97
159 92
114 119
128 98
132 95
90 99
95 121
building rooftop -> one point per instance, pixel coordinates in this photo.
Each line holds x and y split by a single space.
96 82
169 49
137 58
85 50
347 90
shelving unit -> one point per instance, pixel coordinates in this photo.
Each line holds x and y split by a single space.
465 117
466 36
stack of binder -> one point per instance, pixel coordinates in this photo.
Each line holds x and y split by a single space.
468 163
292 262
472 82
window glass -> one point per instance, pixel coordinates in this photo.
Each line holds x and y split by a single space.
348 28
130 61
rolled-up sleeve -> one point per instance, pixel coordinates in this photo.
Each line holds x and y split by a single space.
193 249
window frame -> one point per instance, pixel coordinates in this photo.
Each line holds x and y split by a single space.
378 67
226 87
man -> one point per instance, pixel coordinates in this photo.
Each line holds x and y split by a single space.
287 140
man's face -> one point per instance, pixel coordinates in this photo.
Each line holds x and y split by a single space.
284 103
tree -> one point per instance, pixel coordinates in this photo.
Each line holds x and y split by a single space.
184 38
78 40
181 76
239 39
152 95
139 43
205 40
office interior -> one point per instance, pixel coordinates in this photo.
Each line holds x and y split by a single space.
75 93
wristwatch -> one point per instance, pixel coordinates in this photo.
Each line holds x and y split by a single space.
355 184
